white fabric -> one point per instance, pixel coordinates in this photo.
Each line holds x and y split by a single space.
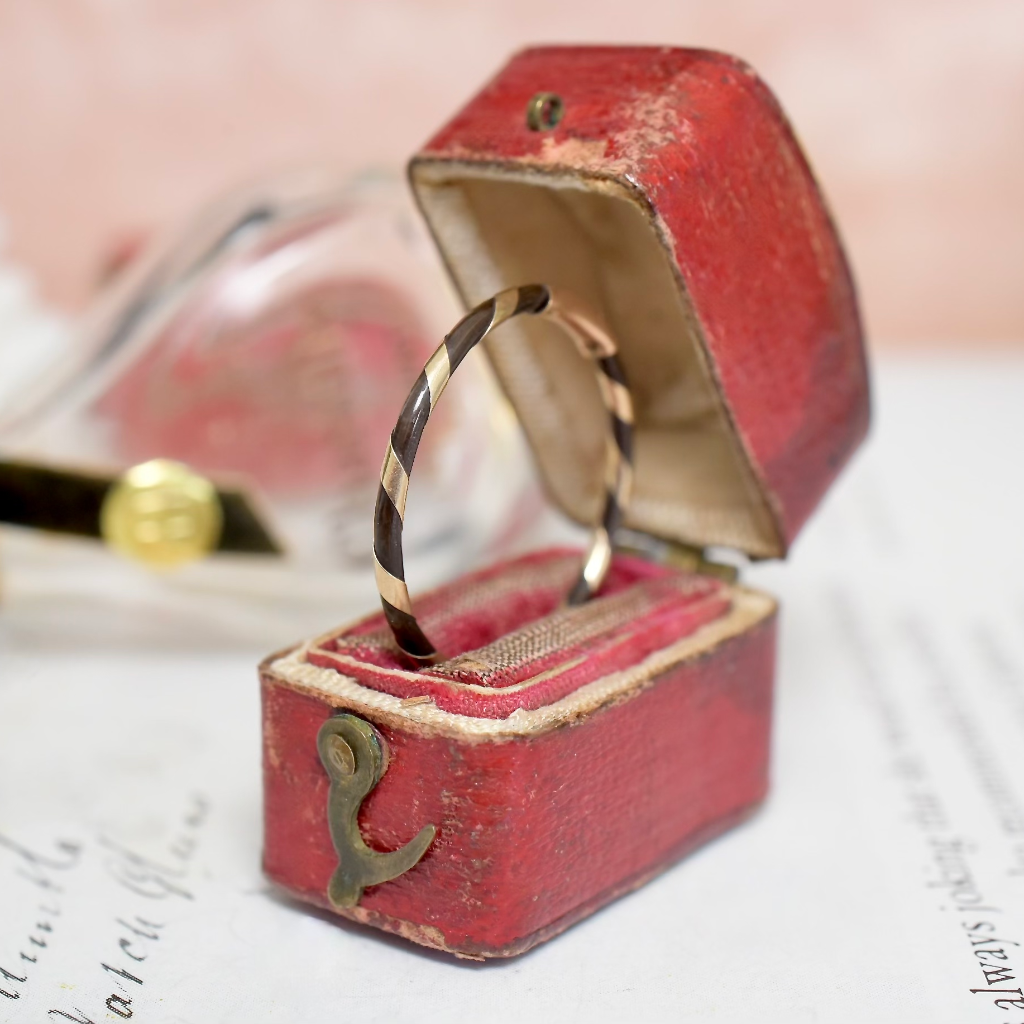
897 785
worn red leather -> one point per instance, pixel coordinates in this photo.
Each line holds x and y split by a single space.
562 802
703 145
566 755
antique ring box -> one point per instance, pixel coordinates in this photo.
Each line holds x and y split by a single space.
561 756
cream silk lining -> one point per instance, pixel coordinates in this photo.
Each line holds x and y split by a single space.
497 229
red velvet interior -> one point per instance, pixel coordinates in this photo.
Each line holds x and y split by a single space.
511 643
502 598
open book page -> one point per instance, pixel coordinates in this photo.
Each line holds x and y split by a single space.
883 881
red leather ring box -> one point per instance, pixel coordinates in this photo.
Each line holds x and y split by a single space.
566 755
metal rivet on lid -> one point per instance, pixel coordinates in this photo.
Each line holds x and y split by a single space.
544 111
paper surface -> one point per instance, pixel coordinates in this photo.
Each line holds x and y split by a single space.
889 855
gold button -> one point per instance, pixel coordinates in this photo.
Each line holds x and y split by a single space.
162 514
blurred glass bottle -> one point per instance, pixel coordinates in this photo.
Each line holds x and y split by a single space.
269 345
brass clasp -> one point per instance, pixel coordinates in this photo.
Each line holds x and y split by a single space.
351 754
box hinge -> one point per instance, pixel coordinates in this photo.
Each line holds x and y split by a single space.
685 557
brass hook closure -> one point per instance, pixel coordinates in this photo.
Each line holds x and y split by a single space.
351 754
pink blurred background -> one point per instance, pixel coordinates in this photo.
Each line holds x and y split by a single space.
120 117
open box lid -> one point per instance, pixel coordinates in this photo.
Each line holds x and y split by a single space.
672 199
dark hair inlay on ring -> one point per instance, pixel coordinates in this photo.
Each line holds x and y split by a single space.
532 299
